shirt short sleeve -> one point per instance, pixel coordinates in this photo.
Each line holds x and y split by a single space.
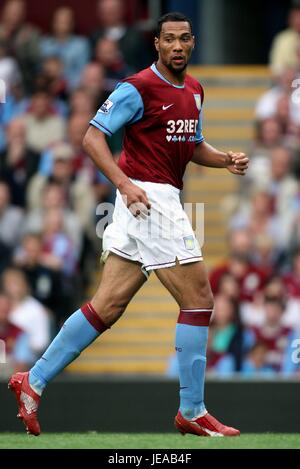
124 106
199 136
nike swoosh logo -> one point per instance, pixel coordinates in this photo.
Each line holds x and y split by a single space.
164 108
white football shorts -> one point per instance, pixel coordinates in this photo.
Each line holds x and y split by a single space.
158 241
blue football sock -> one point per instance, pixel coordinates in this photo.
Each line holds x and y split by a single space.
191 342
79 331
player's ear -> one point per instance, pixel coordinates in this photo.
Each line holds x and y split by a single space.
156 44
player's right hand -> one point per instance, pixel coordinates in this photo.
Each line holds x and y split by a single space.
135 199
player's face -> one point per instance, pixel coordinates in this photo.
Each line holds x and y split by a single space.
175 45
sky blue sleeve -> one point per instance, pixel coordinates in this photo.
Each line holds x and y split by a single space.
124 106
199 136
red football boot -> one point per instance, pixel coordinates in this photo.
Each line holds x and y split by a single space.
28 402
203 426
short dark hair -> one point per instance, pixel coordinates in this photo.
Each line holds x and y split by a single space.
174 16
275 300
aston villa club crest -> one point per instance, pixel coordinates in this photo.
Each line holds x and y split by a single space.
198 101
189 242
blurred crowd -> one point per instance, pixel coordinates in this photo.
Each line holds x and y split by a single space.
49 191
49 188
255 327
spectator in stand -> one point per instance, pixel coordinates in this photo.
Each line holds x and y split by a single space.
272 333
17 103
291 128
2 132
13 95
73 50
11 220
43 126
260 251
283 116
27 313
22 39
298 56
265 254
17 163
255 363
283 186
112 25
293 223
82 166
292 278
240 242
18 356
239 266
108 54
258 218
283 112
267 105
52 72
249 278
53 197
283 50
79 195
291 281
228 286
269 135
46 284
58 252
9 70
253 312
280 183
225 347
92 80
81 102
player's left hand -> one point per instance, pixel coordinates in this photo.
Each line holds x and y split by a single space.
237 163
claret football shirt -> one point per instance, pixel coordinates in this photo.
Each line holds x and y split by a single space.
163 124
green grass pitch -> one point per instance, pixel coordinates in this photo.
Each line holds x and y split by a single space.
116 441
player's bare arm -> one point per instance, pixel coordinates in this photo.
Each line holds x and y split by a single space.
95 145
207 155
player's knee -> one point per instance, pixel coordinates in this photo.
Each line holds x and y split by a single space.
200 297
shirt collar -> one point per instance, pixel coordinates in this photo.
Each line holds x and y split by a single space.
154 69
